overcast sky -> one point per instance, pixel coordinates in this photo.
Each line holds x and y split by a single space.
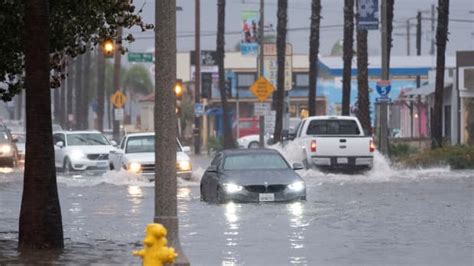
461 33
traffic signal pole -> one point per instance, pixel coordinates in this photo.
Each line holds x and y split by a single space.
261 33
197 76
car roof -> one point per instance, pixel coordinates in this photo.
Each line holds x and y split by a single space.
142 134
250 151
329 117
78 132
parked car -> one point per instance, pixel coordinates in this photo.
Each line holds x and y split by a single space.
20 141
8 149
247 126
254 175
81 150
253 141
136 154
334 142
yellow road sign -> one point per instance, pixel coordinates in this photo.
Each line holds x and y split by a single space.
262 89
118 99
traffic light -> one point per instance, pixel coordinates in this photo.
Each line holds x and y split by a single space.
108 48
206 85
179 89
228 87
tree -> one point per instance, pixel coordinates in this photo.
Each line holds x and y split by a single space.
40 215
363 81
347 56
229 142
70 92
441 40
78 93
313 55
390 4
100 90
37 38
137 80
282 20
86 85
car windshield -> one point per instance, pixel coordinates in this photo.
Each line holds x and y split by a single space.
86 139
141 144
333 127
254 161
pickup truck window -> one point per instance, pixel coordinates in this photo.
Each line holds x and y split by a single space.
333 127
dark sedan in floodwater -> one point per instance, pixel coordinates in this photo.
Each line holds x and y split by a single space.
255 175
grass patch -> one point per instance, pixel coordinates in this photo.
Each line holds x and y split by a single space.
457 157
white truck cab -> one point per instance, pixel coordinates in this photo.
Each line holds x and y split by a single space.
334 142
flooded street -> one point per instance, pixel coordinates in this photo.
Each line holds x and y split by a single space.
384 217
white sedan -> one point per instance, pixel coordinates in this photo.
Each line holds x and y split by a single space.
136 154
81 150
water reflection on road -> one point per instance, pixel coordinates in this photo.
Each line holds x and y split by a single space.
410 217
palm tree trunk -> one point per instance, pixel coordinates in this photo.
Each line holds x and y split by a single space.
78 89
282 16
390 5
229 142
441 40
313 55
70 93
62 103
100 90
347 55
86 89
363 81
40 216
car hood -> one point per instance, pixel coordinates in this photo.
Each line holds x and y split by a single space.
260 177
93 149
149 157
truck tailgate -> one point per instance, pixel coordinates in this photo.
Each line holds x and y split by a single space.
341 146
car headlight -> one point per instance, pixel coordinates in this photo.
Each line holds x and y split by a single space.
232 188
134 167
184 165
296 186
76 155
5 148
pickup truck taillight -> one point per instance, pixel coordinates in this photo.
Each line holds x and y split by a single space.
371 146
313 146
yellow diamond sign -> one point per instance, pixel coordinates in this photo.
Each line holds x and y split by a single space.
262 89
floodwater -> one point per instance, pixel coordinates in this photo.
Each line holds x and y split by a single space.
386 216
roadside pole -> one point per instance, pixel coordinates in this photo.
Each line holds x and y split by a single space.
261 139
383 134
197 76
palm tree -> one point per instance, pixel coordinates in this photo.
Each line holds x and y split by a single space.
347 56
441 40
78 92
228 137
282 16
390 4
100 90
86 89
70 92
62 101
313 55
363 81
40 216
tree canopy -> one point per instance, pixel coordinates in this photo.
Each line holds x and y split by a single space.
73 24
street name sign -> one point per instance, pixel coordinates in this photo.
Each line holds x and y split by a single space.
140 57
262 89
198 109
118 99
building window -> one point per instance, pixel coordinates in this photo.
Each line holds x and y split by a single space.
301 80
245 80
469 79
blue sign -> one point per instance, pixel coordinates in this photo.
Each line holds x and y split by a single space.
368 11
198 109
383 87
383 99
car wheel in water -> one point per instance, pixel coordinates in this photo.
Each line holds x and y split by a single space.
67 166
202 195
111 166
254 145
219 196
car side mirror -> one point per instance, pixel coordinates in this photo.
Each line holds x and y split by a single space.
298 166
60 144
114 143
212 169
186 149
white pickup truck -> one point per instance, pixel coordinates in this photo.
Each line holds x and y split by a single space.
334 142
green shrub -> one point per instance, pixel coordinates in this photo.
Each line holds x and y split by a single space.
457 157
214 144
402 150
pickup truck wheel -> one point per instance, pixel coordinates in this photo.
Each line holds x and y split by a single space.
111 166
254 145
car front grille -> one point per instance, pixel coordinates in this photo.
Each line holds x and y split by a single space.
99 156
265 189
148 168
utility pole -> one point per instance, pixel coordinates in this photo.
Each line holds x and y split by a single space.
408 37
432 51
383 134
261 33
166 209
197 75
116 85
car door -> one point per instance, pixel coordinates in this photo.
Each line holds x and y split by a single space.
59 151
208 186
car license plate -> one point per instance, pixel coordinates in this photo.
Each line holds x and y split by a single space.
102 164
342 160
266 197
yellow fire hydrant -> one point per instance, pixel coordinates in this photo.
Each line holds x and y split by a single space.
156 253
